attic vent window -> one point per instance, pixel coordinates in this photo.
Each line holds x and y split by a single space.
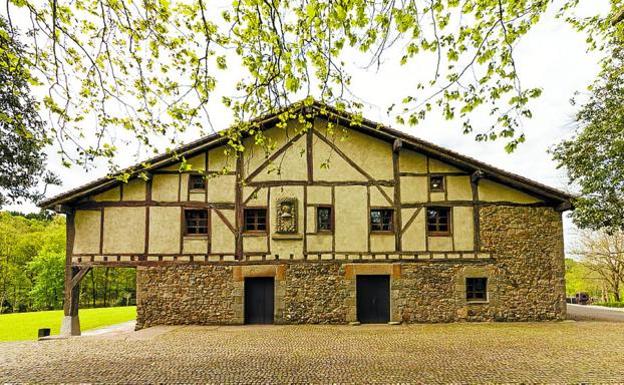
197 182
324 218
436 183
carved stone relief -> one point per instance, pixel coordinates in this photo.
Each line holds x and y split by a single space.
287 216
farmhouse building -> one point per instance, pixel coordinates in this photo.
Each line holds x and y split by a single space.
346 221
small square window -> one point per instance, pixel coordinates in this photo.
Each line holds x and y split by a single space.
324 219
436 183
382 220
197 182
255 219
439 221
476 289
195 222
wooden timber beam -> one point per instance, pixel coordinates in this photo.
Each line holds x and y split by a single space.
398 234
476 209
70 325
350 161
69 270
274 156
564 206
474 178
79 275
238 205
411 220
225 220
92 205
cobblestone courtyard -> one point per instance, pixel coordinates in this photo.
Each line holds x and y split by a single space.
567 352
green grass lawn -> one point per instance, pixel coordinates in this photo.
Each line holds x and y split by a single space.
24 326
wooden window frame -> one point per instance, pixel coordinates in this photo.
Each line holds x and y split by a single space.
190 183
470 294
266 220
331 219
392 224
186 227
436 233
442 187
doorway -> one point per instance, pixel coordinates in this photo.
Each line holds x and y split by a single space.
373 298
259 300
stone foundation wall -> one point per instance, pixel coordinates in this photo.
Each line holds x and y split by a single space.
315 293
185 294
525 282
427 292
527 245
525 279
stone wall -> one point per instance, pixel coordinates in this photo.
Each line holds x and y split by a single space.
315 293
525 279
185 294
525 282
527 244
426 292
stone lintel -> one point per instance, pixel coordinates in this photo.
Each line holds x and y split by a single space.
392 269
242 272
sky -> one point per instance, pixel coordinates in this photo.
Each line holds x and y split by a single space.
552 56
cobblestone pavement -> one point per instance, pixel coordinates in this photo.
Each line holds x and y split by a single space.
563 352
596 313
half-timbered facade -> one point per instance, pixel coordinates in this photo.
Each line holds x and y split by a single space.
339 223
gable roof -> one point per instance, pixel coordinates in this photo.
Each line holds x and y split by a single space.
347 119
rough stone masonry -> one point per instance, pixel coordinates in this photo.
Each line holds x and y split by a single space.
525 282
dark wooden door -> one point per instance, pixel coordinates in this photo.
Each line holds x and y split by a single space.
373 298
259 299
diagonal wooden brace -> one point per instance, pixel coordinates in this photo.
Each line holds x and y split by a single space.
79 276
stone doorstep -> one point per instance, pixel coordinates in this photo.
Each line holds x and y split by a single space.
391 323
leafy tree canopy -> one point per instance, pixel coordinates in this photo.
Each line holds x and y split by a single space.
151 67
594 157
22 134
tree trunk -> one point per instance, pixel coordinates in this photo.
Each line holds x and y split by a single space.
106 272
93 287
617 17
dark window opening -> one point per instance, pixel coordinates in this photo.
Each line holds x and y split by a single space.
195 222
197 182
324 219
476 289
436 183
382 220
255 220
439 220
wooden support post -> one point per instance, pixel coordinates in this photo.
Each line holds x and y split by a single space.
309 154
474 184
238 205
71 323
396 149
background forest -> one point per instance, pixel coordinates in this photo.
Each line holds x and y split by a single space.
32 258
582 279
